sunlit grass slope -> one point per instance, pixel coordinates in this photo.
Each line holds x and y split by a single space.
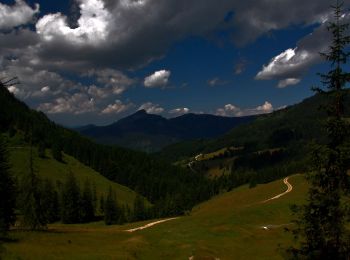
55 171
227 227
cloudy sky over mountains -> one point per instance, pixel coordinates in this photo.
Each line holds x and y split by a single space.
95 61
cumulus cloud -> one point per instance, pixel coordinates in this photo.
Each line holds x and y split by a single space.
125 35
288 82
179 111
14 90
265 108
232 110
112 82
228 110
290 66
18 14
158 79
151 108
288 63
76 104
116 108
93 25
33 81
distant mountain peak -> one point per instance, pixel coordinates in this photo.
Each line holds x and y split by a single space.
141 111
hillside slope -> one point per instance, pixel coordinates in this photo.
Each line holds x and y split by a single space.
171 189
298 123
48 168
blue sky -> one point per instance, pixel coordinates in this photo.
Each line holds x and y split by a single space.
96 61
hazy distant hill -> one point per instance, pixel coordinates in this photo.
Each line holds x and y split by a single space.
148 132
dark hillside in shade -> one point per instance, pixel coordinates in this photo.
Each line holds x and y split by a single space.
172 189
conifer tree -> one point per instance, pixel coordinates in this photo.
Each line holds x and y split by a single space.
50 202
31 200
87 207
56 151
41 150
322 225
110 208
102 204
7 191
70 201
139 208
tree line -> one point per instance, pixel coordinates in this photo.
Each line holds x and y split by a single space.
160 182
32 203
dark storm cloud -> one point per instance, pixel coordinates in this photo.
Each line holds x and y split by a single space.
103 37
141 31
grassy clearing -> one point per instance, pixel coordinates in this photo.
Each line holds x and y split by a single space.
227 227
221 152
55 171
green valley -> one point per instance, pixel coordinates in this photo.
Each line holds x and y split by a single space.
229 226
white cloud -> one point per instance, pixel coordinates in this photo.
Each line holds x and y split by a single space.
228 110
216 82
116 108
76 104
151 108
265 108
158 79
282 63
112 82
291 65
288 82
232 110
18 14
93 25
45 89
14 90
179 111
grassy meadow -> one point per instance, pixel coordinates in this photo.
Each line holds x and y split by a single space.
48 168
228 226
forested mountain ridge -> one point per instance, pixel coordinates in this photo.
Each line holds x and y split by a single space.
171 189
148 132
301 122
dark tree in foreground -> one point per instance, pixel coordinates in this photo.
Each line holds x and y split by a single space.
7 192
322 228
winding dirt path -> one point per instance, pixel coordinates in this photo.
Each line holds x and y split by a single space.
150 225
285 181
289 189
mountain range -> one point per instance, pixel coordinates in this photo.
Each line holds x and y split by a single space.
150 133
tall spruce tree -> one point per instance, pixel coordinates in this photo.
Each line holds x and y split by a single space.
7 191
71 201
139 208
111 211
31 199
322 230
50 202
87 206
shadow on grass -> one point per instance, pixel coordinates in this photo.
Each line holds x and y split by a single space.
7 239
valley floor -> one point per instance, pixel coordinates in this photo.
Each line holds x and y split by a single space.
234 225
